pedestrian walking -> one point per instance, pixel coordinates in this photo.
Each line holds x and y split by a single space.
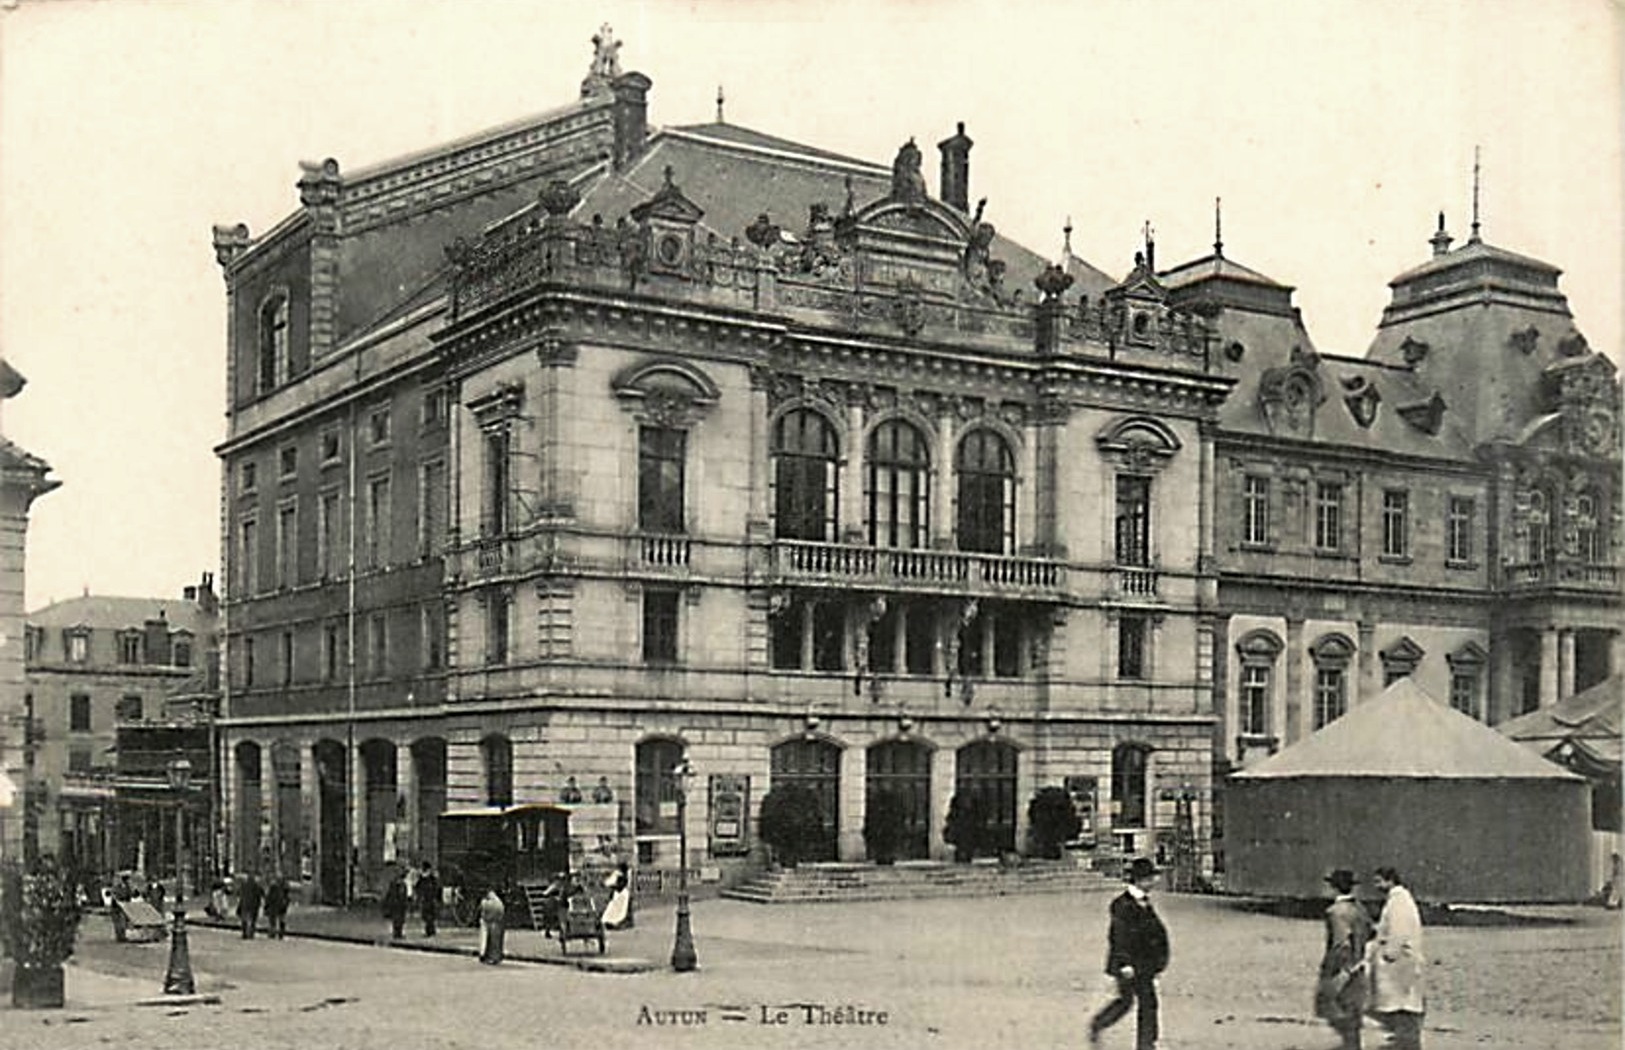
1137 951
249 898
397 901
1340 991
155 896
1394 960
428 894
276 907
492 928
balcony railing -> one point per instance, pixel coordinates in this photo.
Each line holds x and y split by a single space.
889 566
664 551
491 556
1137 582
1562 573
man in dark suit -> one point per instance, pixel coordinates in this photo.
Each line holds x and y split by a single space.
1137 950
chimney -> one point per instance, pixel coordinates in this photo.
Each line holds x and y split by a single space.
955 187
206 601
631 117
1441 239
156 640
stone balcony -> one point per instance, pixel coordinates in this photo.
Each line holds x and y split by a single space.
916 569
1561 574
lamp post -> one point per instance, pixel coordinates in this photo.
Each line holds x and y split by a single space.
683 958
180 781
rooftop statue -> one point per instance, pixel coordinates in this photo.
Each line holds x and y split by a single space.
606 53
907 184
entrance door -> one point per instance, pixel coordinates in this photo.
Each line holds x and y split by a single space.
333 818
903 768
816 766
986 771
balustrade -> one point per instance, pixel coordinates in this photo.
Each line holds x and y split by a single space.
887 565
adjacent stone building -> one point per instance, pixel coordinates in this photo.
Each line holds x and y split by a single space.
574 448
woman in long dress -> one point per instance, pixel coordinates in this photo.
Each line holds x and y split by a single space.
492 928
618 912
1394 960
1340 991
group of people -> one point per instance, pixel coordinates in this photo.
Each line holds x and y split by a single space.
411 885
1367 969
272 898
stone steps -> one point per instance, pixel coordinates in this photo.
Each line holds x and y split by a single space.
913 880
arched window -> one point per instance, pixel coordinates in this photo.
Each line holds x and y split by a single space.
1591 548
1331 654
1130 765
987 494
899 486
273 345
816 766
657 786
496 753
805 477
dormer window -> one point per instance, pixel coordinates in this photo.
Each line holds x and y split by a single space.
129 647
273 343
76 641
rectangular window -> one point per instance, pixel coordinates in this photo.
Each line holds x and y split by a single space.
129 648
828 635
248 663
1255 530
378 426
288 461
785 637
434 407
1464 693
494 514
1006 646
432 509
661 455
129 708
1131 638
919 639
496 628
330 446
378 644
330 537
78 646
287 545
78 760
286 661
330 652
248 477
183 653
434 650
1255 700
1133 520
33 643
1459 530
377 550
79 713
1331 695
1329 516
660 625
1396 523
248 557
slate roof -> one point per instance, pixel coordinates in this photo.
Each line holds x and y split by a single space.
1210 266
1405 733
115 613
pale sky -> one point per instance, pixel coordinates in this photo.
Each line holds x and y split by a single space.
1333 131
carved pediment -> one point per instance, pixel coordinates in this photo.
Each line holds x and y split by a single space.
1362 400
914 218
666 391
1290 396
1140 443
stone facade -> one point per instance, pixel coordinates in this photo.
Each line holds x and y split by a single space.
654 470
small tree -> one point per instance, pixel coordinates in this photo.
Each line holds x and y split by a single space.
884 824
1053 820
966 827
792 822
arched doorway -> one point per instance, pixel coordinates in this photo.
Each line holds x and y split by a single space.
332 820
656 788
903 768
986 770
816 766
429 763
250 802
379 777
287 848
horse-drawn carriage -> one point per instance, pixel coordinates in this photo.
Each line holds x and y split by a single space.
523 852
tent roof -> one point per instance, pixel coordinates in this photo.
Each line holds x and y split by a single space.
1588 722
1405 733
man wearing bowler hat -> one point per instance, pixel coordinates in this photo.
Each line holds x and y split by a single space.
1340 992
1137 950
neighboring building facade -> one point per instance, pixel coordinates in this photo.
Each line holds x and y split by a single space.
97 665
554 459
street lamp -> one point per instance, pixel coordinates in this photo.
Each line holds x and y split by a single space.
180 780
683 958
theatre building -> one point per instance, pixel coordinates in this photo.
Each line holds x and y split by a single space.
569 450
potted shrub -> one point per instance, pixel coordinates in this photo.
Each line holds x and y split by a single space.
791 823
39 919
1053 820
883 826
966 827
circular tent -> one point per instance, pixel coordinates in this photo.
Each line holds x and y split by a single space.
1402 780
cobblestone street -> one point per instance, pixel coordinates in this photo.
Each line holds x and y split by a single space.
1016 971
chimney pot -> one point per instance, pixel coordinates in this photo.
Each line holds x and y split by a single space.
955 184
